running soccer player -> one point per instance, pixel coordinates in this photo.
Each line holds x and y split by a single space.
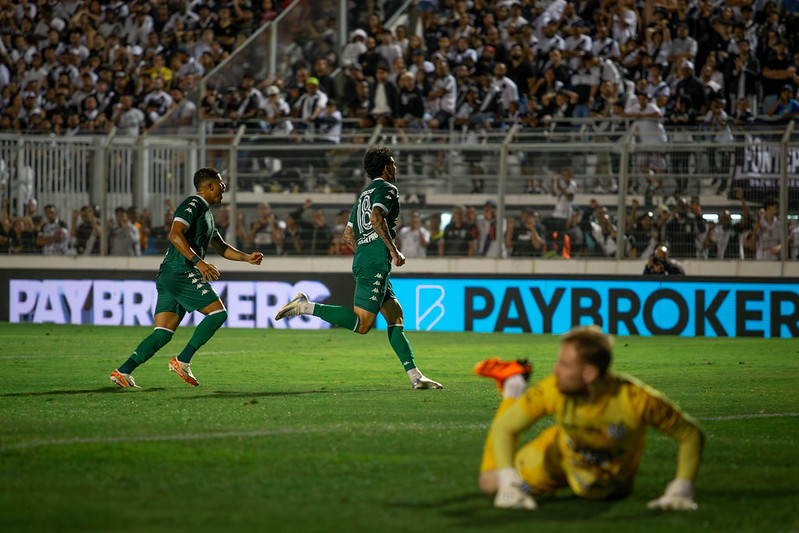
370 233
183 281
596 443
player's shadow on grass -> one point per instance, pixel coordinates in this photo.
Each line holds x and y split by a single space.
475 510
101 390
221 395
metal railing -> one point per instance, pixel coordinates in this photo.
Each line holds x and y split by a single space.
437 170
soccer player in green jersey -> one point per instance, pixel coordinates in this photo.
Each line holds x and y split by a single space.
370 233
183 281
600 425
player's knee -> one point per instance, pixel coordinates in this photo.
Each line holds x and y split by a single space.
364 328
488 481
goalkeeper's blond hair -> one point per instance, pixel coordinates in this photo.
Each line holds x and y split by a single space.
593 346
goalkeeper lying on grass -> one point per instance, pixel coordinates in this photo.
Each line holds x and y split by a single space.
598 438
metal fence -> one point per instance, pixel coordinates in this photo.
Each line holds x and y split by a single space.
518 169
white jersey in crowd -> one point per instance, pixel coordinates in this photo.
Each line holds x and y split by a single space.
58 247
411 241
768 236
564 206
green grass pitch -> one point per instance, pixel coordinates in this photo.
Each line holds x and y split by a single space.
320 431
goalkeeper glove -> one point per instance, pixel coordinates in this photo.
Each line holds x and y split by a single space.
679 496
512 493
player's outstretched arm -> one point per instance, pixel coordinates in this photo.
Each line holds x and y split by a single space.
229 252
679 493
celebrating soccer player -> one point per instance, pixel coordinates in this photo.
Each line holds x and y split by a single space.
370 233
596 443
183 281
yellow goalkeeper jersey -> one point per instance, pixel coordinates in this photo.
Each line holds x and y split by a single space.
601 442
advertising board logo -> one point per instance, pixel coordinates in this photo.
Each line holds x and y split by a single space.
428 304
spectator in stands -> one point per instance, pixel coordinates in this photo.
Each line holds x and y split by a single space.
322 73
524 237
411 103
458 237
442 97
681 120
267 232
371 58
786 106
585 83
383 100
691 88
311 103
53 237
576 44
742 75
86 235
413 237
682 231
640 232
768 231
603 234
129 120
433 226
123 237
776 73
508 94
651 134
717 124
329 123
22 236
354 49
723 239
232 234
277 113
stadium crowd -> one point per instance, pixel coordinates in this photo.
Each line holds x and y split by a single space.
70 67
79 66
567 231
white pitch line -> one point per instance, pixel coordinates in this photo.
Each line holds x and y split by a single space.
300 431
92 356
748 417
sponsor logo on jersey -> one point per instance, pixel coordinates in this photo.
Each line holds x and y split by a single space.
368 238
617 431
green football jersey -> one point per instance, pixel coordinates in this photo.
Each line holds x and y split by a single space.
371 250
196 213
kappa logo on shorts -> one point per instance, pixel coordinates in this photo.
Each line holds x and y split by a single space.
379 275
199 285
375 290
374 298
205 291
376 283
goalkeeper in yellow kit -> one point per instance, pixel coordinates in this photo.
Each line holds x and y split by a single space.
595 446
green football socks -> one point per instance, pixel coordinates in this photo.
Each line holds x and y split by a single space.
202 333
146 349
396 336
337 315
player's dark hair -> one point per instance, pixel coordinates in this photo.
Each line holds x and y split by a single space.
376 160
204 174
593 346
